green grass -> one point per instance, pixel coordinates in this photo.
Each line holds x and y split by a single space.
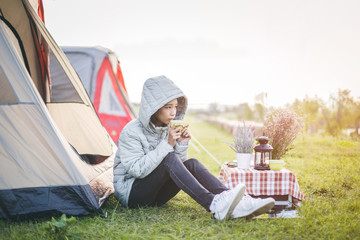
327 170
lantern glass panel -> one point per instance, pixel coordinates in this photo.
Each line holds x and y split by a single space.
264 150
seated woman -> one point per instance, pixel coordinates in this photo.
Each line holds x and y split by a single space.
151 164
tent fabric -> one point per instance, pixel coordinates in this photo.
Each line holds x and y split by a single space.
32 153
109 101
42 201
108 98
22 24
6 92
74 117
100 72
87 62
75 82
10 62
37 5
62 89
120 77
41 169
100 175
35 155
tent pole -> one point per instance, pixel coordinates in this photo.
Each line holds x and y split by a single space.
212 156
195 147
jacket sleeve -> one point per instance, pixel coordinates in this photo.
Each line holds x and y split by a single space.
181 150
132 156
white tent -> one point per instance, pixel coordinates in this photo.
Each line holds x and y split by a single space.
49 136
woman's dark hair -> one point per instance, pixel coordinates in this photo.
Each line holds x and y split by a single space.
181 105
154 118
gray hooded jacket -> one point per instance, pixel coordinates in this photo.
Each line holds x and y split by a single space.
142 145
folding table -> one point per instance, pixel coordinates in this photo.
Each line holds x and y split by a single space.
280 185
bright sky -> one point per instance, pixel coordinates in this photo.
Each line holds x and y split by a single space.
224 51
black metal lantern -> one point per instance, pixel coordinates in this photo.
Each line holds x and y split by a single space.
265 153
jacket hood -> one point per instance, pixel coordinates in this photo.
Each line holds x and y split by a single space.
157 92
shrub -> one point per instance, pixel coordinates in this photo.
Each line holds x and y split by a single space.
281 126
244 139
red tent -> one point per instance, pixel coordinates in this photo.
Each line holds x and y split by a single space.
99 70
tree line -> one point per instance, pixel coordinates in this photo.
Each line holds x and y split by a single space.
338 115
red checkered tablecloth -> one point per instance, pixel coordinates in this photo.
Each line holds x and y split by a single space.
258 183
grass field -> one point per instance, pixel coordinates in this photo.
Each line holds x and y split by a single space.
327 170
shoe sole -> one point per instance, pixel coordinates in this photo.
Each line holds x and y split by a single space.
260 210
263 209
235 201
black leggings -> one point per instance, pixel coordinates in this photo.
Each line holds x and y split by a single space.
171 176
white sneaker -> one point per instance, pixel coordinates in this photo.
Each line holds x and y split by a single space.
224 203
251 207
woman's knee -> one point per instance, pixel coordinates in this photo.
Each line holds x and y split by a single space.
171 158
192 163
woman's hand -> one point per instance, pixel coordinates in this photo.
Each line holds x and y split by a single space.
174 134
185 134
